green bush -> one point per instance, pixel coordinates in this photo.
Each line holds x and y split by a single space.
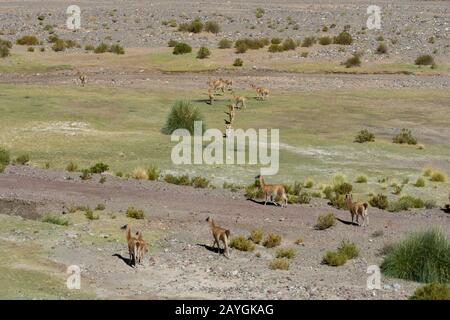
182 48
225 44
382 48
304 198
241 47
361 179
379 201
242 244
54 219
325 221
364 136
424 60
325 40
405 203
272 240
5 43
212 26
437 176
420 182
256 235
5 158
344 38
182 116
343 188
22 159
172 43
117 49
422 257
59 45
89 214
203 53
28 41
259 12
89 47
353 61
276 41
238 62
195 26
85 174
101 48
405 136
71 167
135 213
432 291
200 182
289 44
275 48
153 173
288 253
4 51
99 167
334 259
254 191
308 42
279 264
348 249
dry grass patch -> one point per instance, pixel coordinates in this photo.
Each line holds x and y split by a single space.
272 240
279 264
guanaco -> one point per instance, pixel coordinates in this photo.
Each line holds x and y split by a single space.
219 234
216 85
141 247
239 101
358 209
262 92
211 96
82 78
272 191
132 241
228 83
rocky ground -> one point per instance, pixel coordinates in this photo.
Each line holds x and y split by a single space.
181 263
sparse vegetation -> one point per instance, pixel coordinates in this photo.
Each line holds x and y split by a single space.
183 116
256 235
203 53
139 174
225 43
200 182
288 253
432 291
182 48
438 176
5 158
379 201
212 26
334 259
89 214
238 62
308 42
272 240
28 40
405 203
22 159
153 173
100 207
344 38
242 244
405 136
348 249
72 167
353 61
55 219
382 49
424 60
99 167
364 136
279 264
361 179
135 213
325 221
420 182
195 26
259 12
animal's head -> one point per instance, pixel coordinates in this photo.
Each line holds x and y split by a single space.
208 219
348 196
258 176
124 227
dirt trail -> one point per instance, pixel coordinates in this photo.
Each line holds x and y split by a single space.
185 266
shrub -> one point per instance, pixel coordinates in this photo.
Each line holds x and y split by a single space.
117 49
99 167
299 241
348 249
427 172
182 48
2 168
405 136
304 54
289 44
272 240
276 41
406 202
424 60
54 219
4 51
212 26
256 235
89 214
379 201
89 47
288 253
438 176
335 259
22 159
153 173
309 183
85 174
430 204
241 47
135 213
304 198
28 41
195 26
71 167
4 157
101 48
381 49
254 191
343 188
102 180
432 291
279 264
308 42
139 174
353 61
30 49
242 244
59 45
364 136
71 43
200 182
325 221
203 53
225 44
250 43
422 257
275 48
182 116
5 43
172 43
344 38
100 207
325 41
259 12
238 62
397 189
420 182
361 179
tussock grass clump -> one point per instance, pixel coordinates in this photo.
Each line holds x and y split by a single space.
424 60
304 198
4 51
242 244
225 43
135 213
99 167
238 62
212 26
72 167
276 41
364 136
353 61
279 264
381 49
420 182
89 214
85 174
288 253
361 179
182 48
28 41
272 240
438 176
203 53
200 182
325 40
308 42
405 136
54 219
275 48
427 172
334 259
22 159
101 48
117 49
100 207
181 180
139 174
256 236
422 257
195 26
379 201
89 47
153 173
325 221
349 249
344 38
405 203
430 204
182 116
254 191
309 183
172 43
5 158
432 291
259 12
289 44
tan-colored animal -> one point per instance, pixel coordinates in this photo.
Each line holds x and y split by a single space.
358 209
216 85
261 92
82 79
219 234
239 101
272 191
141 248
228 84
211 96
131 240
231 113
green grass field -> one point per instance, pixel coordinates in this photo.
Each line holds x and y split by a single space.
122 127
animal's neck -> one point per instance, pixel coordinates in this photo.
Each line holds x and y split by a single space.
349 202
261 181
211 224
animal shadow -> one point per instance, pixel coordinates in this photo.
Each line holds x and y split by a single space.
127 261
347 222
261 202
209 248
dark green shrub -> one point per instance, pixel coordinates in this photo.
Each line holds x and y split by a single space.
203 53
5 158
200 182
195 26
117 49
212 26
99 167
405 136
182 116
28 41
135 213
308 42
432 291
344 38
422 257
238 62
364 136
101 48
325 41
182 48
424 60
225 44
172 43
353 61
379 201
289 44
